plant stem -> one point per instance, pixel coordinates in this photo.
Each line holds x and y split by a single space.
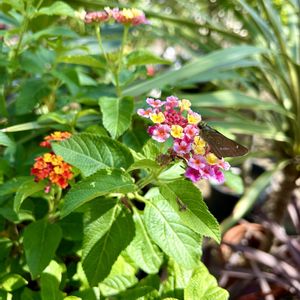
99 38
145 181
21 36
3 109
117 74
140 198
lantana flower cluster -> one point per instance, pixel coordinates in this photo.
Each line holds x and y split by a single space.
51 166
126 16
174 119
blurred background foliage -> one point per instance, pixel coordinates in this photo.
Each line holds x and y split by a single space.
237 61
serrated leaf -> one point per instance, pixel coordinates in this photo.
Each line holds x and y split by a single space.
188 202
98 262
58 8
117 114
142 250
203 286
100 216
25 190
178 278
90 153
121 277
145 57
41 240
151 150
101 183
168 231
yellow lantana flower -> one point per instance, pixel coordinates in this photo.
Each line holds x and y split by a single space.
177 131
199 145
212 159
185 104
157 118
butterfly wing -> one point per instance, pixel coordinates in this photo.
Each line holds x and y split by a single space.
219 144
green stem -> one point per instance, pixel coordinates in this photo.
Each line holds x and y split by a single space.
145 181
140 198
121 53
99 38
21 36
3 109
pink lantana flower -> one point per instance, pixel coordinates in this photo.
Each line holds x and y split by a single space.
129 16
182 147
174 120
191 131
155 103
161 133
145 112
192 174
217 175
197 162
172 102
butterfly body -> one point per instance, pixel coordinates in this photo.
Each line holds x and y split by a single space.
219 144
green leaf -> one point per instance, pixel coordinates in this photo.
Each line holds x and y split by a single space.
188 202
31 92
116 114
90 153
121 277
178 278
145 287
144 164
6 141
22 127
72 227
58 8
11 186
250 127
170 234
175 172
25 190
11 282
217 60
84 60
203 286
5 248
234 182
101 183
50 282
144 57
151 150
98 262
41 240
99 217
38 61
17 4
229 99
142 250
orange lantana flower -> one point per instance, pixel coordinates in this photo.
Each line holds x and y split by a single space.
55 136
